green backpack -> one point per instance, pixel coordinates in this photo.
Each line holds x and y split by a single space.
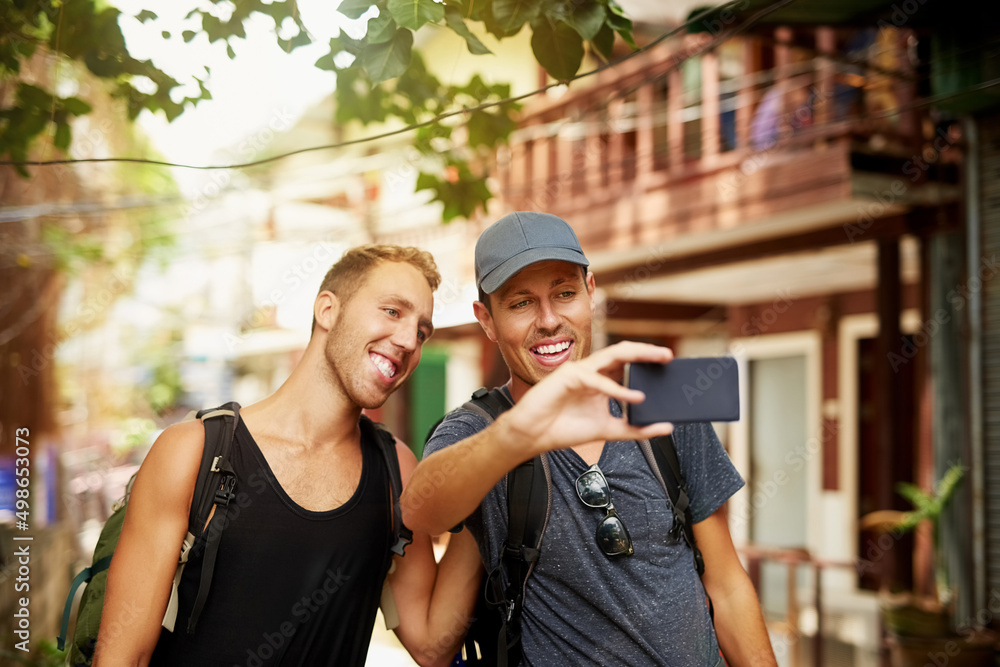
215 486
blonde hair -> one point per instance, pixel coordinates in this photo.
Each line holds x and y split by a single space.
349 272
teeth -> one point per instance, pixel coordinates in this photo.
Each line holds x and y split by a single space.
384 365
552 349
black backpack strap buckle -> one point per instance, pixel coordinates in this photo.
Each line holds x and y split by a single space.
225 493
511 551
676 530
405 539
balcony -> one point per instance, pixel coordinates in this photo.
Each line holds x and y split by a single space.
758 140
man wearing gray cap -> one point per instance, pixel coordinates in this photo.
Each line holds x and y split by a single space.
631 596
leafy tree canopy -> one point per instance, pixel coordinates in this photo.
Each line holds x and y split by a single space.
379 76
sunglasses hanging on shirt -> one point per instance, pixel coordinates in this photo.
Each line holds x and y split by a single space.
612 535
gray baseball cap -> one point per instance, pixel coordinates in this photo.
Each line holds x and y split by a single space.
520 239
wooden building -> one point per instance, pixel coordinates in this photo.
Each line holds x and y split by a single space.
805 197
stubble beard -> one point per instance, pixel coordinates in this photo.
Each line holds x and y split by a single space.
337 349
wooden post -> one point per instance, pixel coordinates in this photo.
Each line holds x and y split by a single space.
644 147
709 107
826 44
748 95
818 598
792 615
889 300
564 168
909 121
782 62
675 127
595 156
518 173
540 173
616 152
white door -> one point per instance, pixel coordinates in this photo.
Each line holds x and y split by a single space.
778 470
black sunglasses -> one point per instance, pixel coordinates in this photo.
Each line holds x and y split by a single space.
612 535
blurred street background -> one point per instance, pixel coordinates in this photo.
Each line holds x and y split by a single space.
811 187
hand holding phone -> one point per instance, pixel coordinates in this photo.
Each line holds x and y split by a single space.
702 389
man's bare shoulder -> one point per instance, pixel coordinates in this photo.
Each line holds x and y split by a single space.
171 466
180 441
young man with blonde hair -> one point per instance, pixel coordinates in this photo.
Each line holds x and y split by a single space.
300 569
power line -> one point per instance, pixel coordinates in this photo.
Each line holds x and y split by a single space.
84 208
28 212
409 128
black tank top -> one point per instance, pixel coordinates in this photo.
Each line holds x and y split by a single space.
290 586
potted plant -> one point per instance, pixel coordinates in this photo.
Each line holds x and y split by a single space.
920 628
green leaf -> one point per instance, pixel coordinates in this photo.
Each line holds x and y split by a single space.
229 51
75 106
488 129
353 9
423 141
510 15
604 42
300 39
909 521
427 181
914 494
615 11
381 29
389 60
145 15
357 100
419 92
587 19
214 28
457 24
949 482
473 10
620 23
557 48
343 42
326 63
63 136
188 35
33 96
165 34
461 193
414 13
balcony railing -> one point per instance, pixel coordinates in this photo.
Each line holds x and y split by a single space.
659 121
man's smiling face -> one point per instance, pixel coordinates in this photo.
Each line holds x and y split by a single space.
376 341
540 319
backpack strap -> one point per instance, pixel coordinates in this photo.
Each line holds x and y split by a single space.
528 505
82 578
215 487
402 536
665 456
489 404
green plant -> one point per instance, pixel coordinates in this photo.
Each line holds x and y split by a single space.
928 506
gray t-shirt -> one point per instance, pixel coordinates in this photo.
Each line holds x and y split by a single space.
585 608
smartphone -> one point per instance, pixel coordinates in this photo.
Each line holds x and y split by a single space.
701 389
